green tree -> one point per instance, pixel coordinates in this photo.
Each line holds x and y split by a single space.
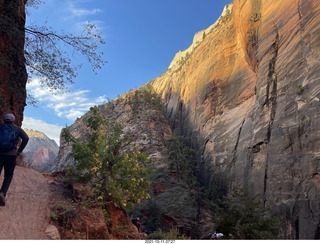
182 159
106 160
174 153
242 217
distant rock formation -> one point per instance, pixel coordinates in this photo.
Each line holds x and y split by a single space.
40 152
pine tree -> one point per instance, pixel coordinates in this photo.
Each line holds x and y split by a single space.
242 217
106 160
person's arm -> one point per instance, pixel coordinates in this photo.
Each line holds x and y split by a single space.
25 138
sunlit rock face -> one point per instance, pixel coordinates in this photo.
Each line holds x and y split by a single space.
40 152
147 129
13 74
247 91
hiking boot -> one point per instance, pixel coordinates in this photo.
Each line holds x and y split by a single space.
2 199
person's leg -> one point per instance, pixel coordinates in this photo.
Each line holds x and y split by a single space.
2 198
1 166
2 159
9 164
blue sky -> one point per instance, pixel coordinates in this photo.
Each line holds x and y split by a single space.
142 37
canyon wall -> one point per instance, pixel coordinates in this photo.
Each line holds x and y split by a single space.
13 74
247 92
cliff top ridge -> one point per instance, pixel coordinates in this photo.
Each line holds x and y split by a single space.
197 39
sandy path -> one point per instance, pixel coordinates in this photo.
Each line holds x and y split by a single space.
25 215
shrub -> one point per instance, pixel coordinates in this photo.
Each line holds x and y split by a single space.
115 170
241 217
182 159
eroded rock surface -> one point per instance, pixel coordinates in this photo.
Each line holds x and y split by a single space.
247 92
249 96
13 74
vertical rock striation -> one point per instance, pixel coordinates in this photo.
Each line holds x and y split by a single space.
248 93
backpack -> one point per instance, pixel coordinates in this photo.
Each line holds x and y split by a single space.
7 138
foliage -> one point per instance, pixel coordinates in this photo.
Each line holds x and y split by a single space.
105 159
172 235
63 214
299 90
52 64
153 222
182 159
241 217
48 52
146 97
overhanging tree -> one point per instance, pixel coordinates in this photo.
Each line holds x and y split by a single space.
47 52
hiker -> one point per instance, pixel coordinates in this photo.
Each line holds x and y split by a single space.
216 236
9 138
136 222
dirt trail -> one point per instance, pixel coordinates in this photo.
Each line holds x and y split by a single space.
25 215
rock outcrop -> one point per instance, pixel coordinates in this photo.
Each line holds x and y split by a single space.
78 217
146 125
173 205
248 94
40 152
13 74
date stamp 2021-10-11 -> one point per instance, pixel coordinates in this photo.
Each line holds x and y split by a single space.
159 241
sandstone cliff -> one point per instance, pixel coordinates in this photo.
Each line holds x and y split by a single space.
13 74
173 205
40 152
248 93
146 125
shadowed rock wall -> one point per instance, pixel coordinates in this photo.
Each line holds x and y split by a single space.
248 94
13 74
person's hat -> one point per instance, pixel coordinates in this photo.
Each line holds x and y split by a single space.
9 117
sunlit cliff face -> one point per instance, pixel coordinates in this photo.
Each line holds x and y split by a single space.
247 91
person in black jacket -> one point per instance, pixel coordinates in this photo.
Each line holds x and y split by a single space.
8 158
136 222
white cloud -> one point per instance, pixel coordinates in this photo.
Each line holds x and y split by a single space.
77 12
52 131
80 12
70 105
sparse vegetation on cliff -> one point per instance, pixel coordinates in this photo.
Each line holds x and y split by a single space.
145 99
181 159
242 217
105 160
